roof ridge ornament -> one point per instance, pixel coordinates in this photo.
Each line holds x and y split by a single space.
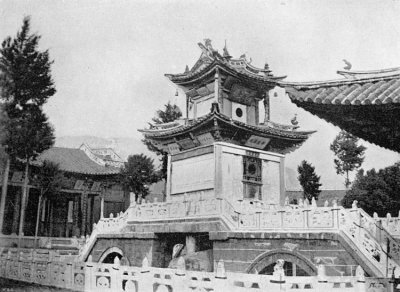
226 53
348 65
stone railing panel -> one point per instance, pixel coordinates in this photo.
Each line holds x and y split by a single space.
320 218
270 219
293 219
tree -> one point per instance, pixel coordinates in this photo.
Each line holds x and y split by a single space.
349 155
309 181
170 113
376 191
50 180
26 85
4 160
138 173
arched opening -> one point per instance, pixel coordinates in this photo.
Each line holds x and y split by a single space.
109 255
295 264
290 268
109 259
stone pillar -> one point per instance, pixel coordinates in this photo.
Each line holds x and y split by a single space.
190 244
102 206
4 193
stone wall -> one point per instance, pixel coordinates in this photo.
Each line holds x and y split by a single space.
251 252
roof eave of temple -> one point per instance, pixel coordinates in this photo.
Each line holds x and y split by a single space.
356 77
193 77
367 104
265 131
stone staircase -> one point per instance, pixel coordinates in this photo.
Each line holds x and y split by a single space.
366 236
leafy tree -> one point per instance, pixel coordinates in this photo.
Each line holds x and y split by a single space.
138 173
308 180
376 191
349 155
3 122
50 180
26 85
170 113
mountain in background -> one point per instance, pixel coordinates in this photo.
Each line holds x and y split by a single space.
124 146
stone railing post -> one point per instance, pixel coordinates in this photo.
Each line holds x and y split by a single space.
360 278
145 281
116 281
69 276
305 218
180 284
89 278
322 279
220 282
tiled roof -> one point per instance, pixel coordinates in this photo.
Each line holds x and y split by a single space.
210 59
365 103
357 89
222 65
75 160
275 130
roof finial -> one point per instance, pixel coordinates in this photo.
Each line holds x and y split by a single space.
207 43
348 65
294 121
226 53
187 69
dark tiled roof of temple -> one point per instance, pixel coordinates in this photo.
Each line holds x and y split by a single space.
75 160
365 103
359 88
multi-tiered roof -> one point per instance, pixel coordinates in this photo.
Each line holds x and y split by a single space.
222 97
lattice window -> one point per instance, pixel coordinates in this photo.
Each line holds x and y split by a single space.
252 178
252 169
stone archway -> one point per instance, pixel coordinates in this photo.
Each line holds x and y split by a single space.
109 255
269 258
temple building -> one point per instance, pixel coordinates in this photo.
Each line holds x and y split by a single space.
225 195
90 189
364 103
223 148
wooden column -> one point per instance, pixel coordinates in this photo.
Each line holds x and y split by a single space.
75 227
266 108
84 199
4 193
16 213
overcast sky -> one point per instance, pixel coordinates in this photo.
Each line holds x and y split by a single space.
111 56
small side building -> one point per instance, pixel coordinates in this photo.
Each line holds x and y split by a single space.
91 189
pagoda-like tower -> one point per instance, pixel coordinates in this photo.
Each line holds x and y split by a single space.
223 148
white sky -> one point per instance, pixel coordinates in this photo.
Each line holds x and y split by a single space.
111 56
